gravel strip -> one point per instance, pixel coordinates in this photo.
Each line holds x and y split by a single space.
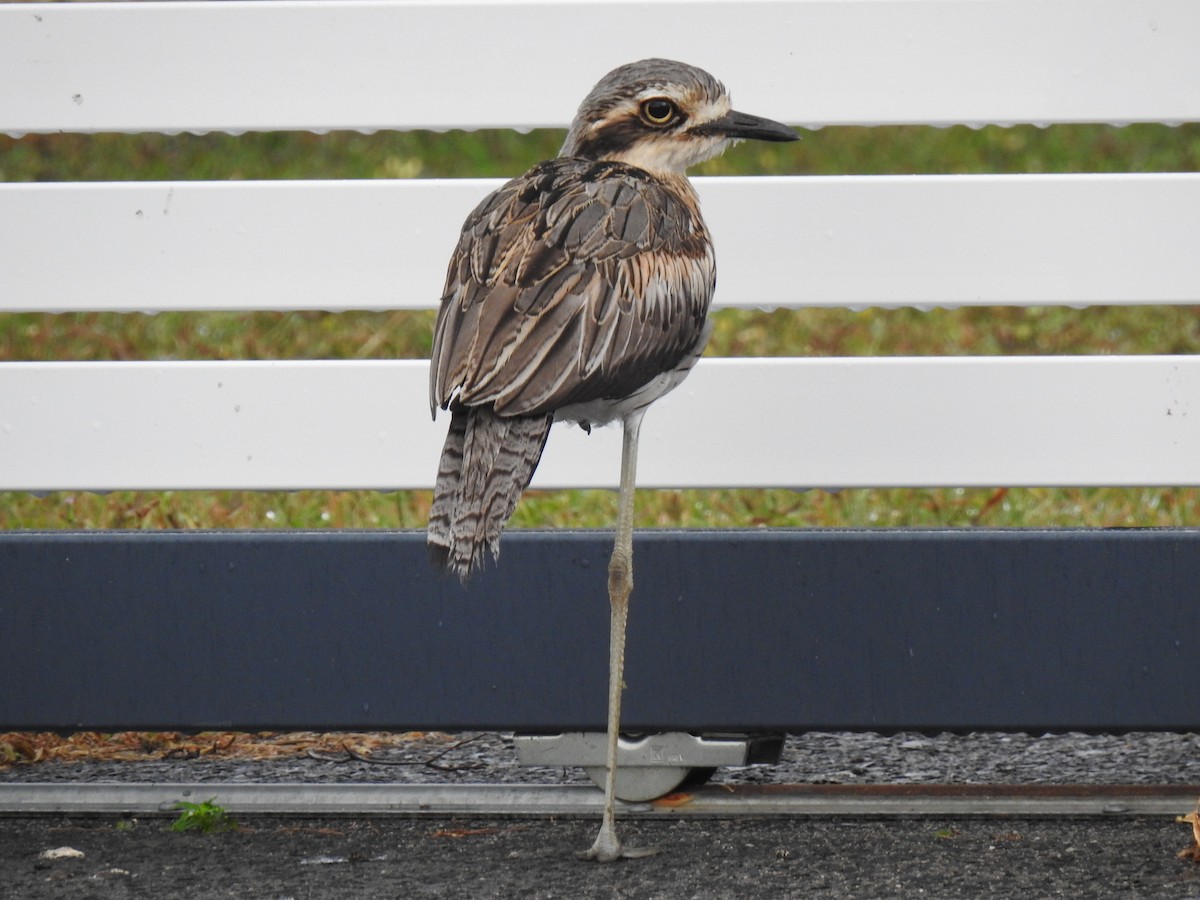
813 758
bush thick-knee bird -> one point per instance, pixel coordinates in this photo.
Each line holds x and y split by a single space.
579 292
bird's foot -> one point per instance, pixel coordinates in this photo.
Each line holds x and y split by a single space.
608 848
596 854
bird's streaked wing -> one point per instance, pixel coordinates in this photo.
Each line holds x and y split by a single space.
578 281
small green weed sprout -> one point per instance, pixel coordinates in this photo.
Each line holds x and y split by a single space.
206 817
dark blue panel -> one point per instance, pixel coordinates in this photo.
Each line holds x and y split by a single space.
733 630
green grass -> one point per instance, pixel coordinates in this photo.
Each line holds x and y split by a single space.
829 151
401 334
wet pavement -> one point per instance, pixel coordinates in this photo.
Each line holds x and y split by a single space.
404 857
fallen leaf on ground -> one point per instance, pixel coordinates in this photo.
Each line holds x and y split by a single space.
679 798
27 748
464 832
1193 819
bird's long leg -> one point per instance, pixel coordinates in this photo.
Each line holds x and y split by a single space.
620 585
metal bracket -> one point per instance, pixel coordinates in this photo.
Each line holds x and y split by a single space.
652 765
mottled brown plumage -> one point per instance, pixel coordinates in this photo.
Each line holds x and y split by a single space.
572 287
578 281
578 292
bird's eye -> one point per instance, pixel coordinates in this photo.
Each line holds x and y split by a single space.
658 111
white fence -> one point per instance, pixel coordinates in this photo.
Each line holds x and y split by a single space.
863 241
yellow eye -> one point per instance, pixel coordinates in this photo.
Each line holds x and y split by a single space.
659 111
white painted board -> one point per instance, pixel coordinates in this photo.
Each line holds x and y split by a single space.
791 423
236 66
848 241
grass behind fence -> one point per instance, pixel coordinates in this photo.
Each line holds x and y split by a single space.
400 334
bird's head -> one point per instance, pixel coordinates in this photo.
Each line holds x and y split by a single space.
662 116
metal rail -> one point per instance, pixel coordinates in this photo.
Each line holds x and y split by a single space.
566 800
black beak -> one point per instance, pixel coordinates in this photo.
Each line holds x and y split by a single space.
743 125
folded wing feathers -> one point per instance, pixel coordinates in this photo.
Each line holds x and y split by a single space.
579 281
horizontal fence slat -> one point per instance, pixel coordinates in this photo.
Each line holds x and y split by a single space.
848 241
326 65
794 423
749 629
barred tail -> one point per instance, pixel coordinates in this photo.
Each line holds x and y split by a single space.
486 463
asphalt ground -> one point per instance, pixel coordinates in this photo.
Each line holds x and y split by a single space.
377 857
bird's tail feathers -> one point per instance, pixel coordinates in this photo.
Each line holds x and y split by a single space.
487 461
